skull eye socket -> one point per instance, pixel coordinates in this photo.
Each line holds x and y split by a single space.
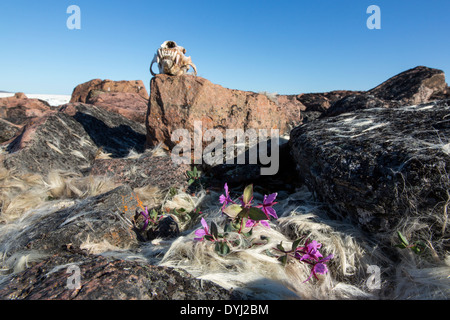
171 44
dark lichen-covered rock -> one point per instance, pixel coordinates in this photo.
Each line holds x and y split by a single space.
70 139
413 86
8 130
320 102
51 142
353 103
379 165
106 217
146 169
110 131
107 279
167 228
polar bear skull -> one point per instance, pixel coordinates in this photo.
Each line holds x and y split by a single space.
171 60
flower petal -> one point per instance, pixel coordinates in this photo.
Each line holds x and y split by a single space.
205 224
270 198
250 223
199 234
265 223
271 211
320 268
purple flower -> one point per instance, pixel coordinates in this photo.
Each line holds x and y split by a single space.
267 204
146 217
310 251
201 233
319 268
251 223
225 199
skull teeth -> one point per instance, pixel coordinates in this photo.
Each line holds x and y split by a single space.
168 54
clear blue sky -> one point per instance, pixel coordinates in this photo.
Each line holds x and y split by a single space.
287 47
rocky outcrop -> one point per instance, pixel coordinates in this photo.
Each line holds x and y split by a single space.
320 102
146 169
71 138
83 91
110 131
130 105
54 141
414 86
411 87
380 165
109 279
177 102
8 130
353 103
94 220
19 109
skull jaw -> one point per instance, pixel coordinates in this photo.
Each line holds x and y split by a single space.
170 68
172 61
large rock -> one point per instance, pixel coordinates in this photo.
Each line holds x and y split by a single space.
95 219
320 102
82 91
353 103
54 141
411 87
414 86
19 109
147 169
8 130
380 165
108 279
71 138
177 102
130 105
111 131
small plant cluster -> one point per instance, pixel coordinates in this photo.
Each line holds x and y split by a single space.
307 253
193 176
152 218
417 247
242 217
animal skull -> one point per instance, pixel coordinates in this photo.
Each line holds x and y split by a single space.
171 60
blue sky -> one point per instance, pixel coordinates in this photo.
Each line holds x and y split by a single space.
288 47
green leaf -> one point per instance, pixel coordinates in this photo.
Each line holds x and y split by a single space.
249 234
400 245
283 259
209 238
217 247
402 238
228 227
222 248
233 210
296 243
280 247
248 194
225 249
416 250
419 247
191 181
256 214
244 213
214 231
